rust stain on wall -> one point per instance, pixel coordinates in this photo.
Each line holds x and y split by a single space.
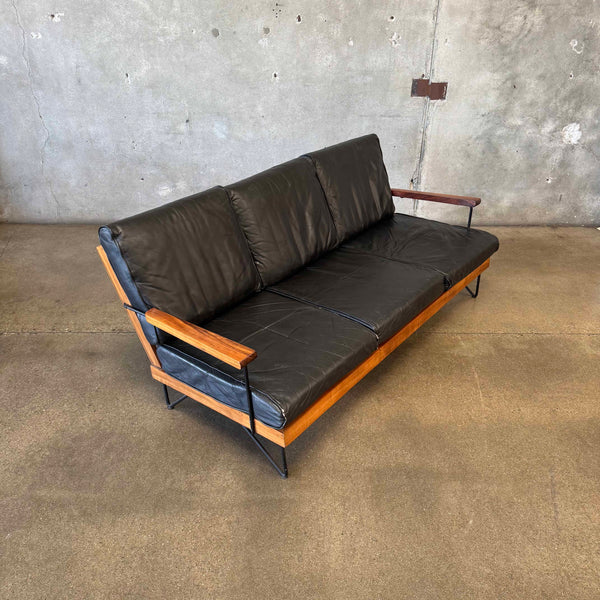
423 88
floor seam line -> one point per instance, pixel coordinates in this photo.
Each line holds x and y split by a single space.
66 332
558 334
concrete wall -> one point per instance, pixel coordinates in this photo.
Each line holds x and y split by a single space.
108 108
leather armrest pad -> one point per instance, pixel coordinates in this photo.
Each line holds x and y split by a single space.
228 351
433 197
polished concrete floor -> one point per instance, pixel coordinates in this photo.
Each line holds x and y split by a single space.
467 465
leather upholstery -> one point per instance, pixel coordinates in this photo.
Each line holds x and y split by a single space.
355 183
206 259
117 262
188 258
381 294
449 249
285 218
302 352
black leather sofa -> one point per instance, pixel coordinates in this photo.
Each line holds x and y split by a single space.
269 298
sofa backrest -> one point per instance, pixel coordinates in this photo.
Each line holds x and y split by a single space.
188 258
355 183
285 217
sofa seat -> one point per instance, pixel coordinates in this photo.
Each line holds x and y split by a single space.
449 249
381 294
302 352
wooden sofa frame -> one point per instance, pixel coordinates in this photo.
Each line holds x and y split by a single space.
240 356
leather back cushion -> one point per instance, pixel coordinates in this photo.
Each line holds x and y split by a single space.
355 183
285 217
188 258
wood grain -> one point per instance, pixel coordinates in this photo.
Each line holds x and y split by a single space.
228 351
434 197
148 347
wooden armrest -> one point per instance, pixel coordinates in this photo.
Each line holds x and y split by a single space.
228 351
433 197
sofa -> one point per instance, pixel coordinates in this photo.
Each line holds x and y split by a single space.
268 299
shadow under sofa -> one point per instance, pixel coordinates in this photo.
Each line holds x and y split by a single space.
268 299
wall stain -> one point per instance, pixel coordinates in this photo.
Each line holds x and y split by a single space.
574 45
571 133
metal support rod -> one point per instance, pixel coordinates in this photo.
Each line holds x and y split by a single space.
470 217
283 471
474 295
284 461
138 312
171 405
142 314
250 402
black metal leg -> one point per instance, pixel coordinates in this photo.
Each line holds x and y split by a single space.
171 405
282 471
470 217
474 295
284 462
249 399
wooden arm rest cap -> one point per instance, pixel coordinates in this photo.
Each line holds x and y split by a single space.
228 351
433 197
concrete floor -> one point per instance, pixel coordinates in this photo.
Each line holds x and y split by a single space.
467 465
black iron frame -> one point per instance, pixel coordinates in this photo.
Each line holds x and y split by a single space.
251 431
172 405
476 292
283 470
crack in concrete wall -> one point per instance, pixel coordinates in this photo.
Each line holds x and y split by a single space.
36 101
415 181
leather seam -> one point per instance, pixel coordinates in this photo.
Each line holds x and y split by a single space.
338 240
387 177
261 283
447 278
365 324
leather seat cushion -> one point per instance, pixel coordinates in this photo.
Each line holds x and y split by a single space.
383 295
285 217
355 182
450 249
188 258
302 352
